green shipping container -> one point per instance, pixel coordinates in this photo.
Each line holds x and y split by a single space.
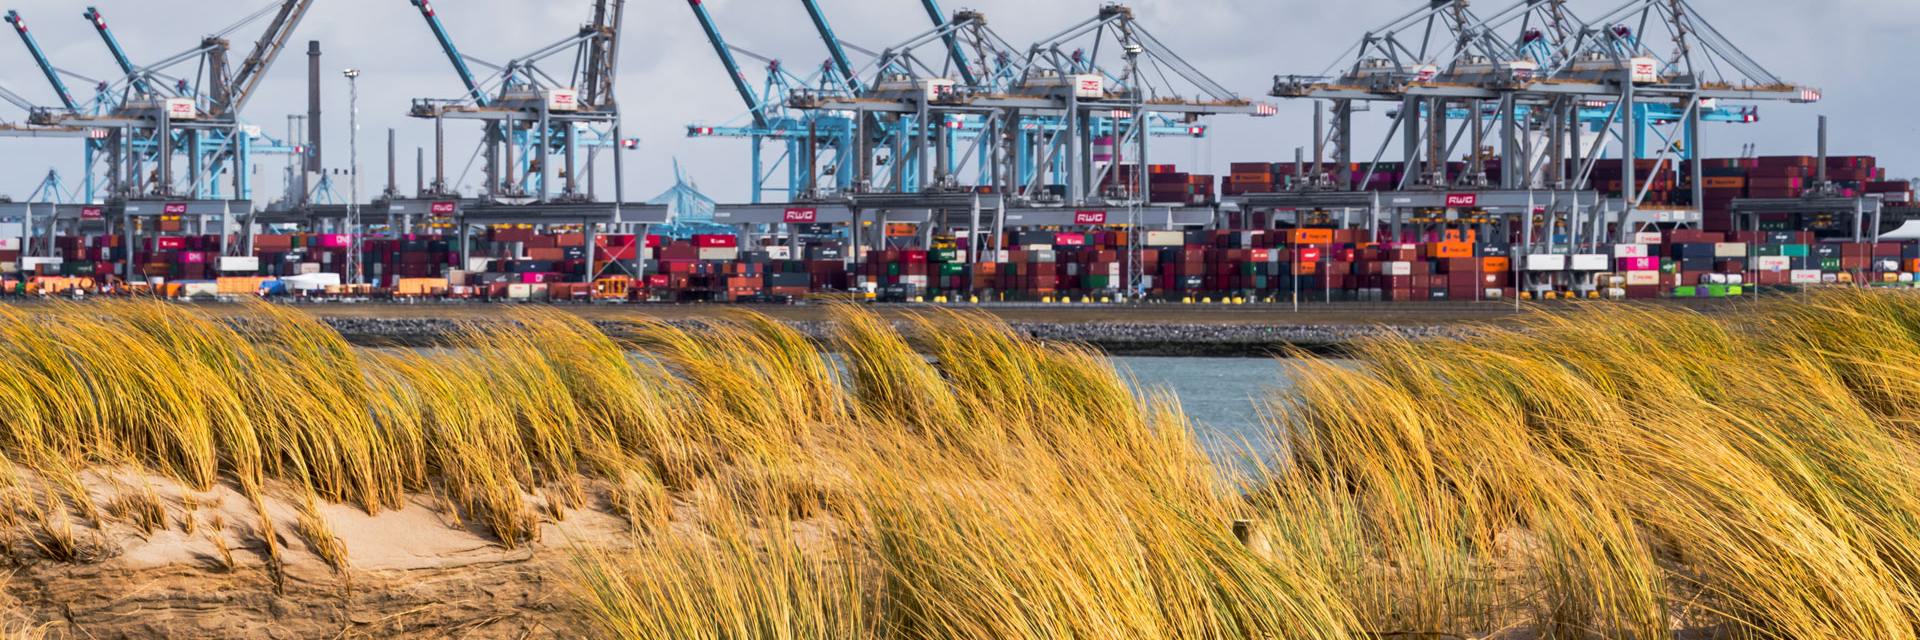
943 255
1796 250
893 268
1669 265
1099 282
1829 264
1685 292
953 269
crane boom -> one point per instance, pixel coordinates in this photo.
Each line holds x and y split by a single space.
834 48
264 53
953 42
453 52
733 66
113 45
40 58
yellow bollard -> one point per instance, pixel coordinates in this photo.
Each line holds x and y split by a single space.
973 299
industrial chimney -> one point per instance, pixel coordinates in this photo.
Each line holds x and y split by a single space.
313 106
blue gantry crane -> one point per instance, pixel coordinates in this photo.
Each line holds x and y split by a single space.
203 126
806 136
94 145
538 120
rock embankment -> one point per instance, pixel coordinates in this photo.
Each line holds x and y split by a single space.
1118 338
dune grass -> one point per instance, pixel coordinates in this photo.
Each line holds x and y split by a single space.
1618 472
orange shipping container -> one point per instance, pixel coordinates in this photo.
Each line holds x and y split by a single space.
1495 264
239 286
1734 182
1310 236
1449 250
421 286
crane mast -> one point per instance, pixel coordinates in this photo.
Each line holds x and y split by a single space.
834 48
40 58
733 65
953 43
265 51
453 52
119 55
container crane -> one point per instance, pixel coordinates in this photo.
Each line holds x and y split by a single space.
526 108
158 122
806 135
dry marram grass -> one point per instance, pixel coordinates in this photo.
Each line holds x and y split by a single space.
1619 472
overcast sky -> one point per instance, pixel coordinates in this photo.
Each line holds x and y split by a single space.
1858 51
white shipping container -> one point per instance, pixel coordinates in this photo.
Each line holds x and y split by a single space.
1399 269
1730 250
458 278
1646 237
1546 262
9 244
245 264
312 282
719 254
1631 251
920 281
1642 278
9 267
519 292
1774 264
1166 239
780 253
1592 262
1804 276
479 264
307 268
199 290
34 263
